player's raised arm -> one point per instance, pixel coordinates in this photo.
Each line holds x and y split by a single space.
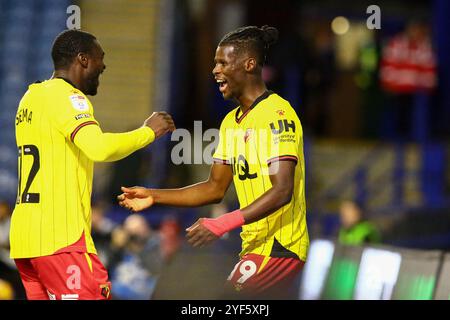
103 147
202 193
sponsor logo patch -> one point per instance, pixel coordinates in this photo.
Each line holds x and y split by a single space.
79 102
82 116
283 126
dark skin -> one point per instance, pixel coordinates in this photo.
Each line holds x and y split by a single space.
242 75
85 70
243 82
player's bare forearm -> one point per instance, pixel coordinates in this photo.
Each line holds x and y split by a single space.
199 194
269 202
202 193
196 195
276 197
139 198
207 230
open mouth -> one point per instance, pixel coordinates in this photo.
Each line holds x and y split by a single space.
222 85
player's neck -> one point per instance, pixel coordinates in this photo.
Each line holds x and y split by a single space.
250 94
66 75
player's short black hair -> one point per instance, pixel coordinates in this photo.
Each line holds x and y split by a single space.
68 44
252 38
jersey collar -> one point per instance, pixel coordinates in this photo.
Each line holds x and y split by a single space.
265 95
66 80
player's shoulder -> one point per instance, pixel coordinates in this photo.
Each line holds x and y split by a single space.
230 117
58 86
55 90
60 92
35 93
274 101
274 106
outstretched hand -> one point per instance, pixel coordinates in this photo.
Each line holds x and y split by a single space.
198 235
135 198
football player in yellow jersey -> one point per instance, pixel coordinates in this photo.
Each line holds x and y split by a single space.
261 149
58 140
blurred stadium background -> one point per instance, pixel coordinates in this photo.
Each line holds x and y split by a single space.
375 108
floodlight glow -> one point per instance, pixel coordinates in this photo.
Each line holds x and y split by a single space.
314 275
340 25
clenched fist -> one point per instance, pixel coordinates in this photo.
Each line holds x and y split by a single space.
160 122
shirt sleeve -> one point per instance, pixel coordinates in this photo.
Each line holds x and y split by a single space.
283 138
107 147
73 116
222 154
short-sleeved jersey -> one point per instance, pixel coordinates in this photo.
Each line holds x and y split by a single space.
52 210
268 132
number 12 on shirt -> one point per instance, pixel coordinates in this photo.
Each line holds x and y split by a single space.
28 150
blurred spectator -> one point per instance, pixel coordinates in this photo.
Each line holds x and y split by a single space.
6 290
138 259
102 228
5 221
170 238
10 283
355 230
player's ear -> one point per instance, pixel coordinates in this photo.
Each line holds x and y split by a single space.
82 58
250 64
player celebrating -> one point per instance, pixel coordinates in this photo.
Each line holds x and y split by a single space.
58 140
261 149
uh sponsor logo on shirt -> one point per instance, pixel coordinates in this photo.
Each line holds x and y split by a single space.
79 102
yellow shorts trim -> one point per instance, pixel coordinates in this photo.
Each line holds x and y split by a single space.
89 261
263 264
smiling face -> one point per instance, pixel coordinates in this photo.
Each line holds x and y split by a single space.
229 71
94 69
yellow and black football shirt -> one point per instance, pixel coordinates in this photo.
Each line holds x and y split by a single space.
268 132
55 177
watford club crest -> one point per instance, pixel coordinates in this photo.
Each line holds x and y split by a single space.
280 112
247 134
106 291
